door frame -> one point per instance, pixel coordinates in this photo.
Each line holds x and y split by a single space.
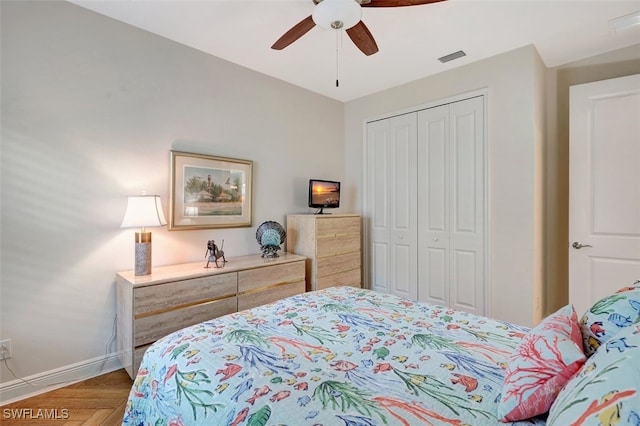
366 212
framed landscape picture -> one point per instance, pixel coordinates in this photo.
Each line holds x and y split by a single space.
209 192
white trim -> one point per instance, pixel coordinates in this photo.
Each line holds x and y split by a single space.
47 381
488 287
431 104
365 214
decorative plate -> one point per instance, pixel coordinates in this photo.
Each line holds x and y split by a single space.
270 236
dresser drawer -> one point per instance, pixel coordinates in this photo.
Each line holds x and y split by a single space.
350 278
170 295
336 245
147 329
340 263
271 294
337 226
260 278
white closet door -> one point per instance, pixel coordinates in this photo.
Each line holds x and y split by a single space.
433 205
392 204
451 205
467 236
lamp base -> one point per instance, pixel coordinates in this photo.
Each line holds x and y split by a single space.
143 253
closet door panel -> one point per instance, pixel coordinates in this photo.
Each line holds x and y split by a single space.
464 282
379 271
467 205
378 190
402 284
433 205
391 192
435 273
463 173
377 196
403 206
435 172
403 156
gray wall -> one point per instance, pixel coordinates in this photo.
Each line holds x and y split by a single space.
90 109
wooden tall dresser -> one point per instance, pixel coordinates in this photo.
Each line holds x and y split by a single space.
331 244
176 296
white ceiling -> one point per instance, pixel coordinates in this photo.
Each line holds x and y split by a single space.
410 39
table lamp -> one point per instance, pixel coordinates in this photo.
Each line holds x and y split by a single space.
143 211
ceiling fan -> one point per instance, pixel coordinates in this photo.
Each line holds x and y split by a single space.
343 14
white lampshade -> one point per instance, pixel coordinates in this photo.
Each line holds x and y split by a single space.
143 211
337 14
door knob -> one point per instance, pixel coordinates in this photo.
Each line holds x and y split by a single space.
577 245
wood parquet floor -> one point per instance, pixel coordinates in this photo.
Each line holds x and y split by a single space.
99 401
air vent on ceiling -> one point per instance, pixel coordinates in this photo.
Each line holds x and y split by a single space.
452 56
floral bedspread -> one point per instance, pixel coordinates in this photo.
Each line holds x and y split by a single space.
340 356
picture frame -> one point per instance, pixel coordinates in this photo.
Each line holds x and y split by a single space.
209 192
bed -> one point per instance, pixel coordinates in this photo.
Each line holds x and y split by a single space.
339 356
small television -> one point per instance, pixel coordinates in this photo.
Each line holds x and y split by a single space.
324 194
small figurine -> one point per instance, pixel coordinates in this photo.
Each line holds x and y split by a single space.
270 235
215 253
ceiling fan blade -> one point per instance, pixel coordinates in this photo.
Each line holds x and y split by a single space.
297 31
362 38
398 3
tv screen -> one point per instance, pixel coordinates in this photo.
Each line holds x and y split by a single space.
324 194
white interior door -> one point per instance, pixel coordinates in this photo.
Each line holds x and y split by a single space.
604 181
392 205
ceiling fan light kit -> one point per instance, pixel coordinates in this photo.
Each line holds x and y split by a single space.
343 15
337 14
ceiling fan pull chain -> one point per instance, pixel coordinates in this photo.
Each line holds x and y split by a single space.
338 37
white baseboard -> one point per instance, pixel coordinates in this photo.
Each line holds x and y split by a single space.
16 390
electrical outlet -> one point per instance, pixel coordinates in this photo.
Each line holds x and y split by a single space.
5 349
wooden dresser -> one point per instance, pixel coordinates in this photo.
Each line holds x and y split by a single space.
177 296
331 243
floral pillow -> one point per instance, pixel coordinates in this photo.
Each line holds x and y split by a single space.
609 315
607 389
545 360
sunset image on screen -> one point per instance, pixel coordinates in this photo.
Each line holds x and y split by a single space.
325 193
